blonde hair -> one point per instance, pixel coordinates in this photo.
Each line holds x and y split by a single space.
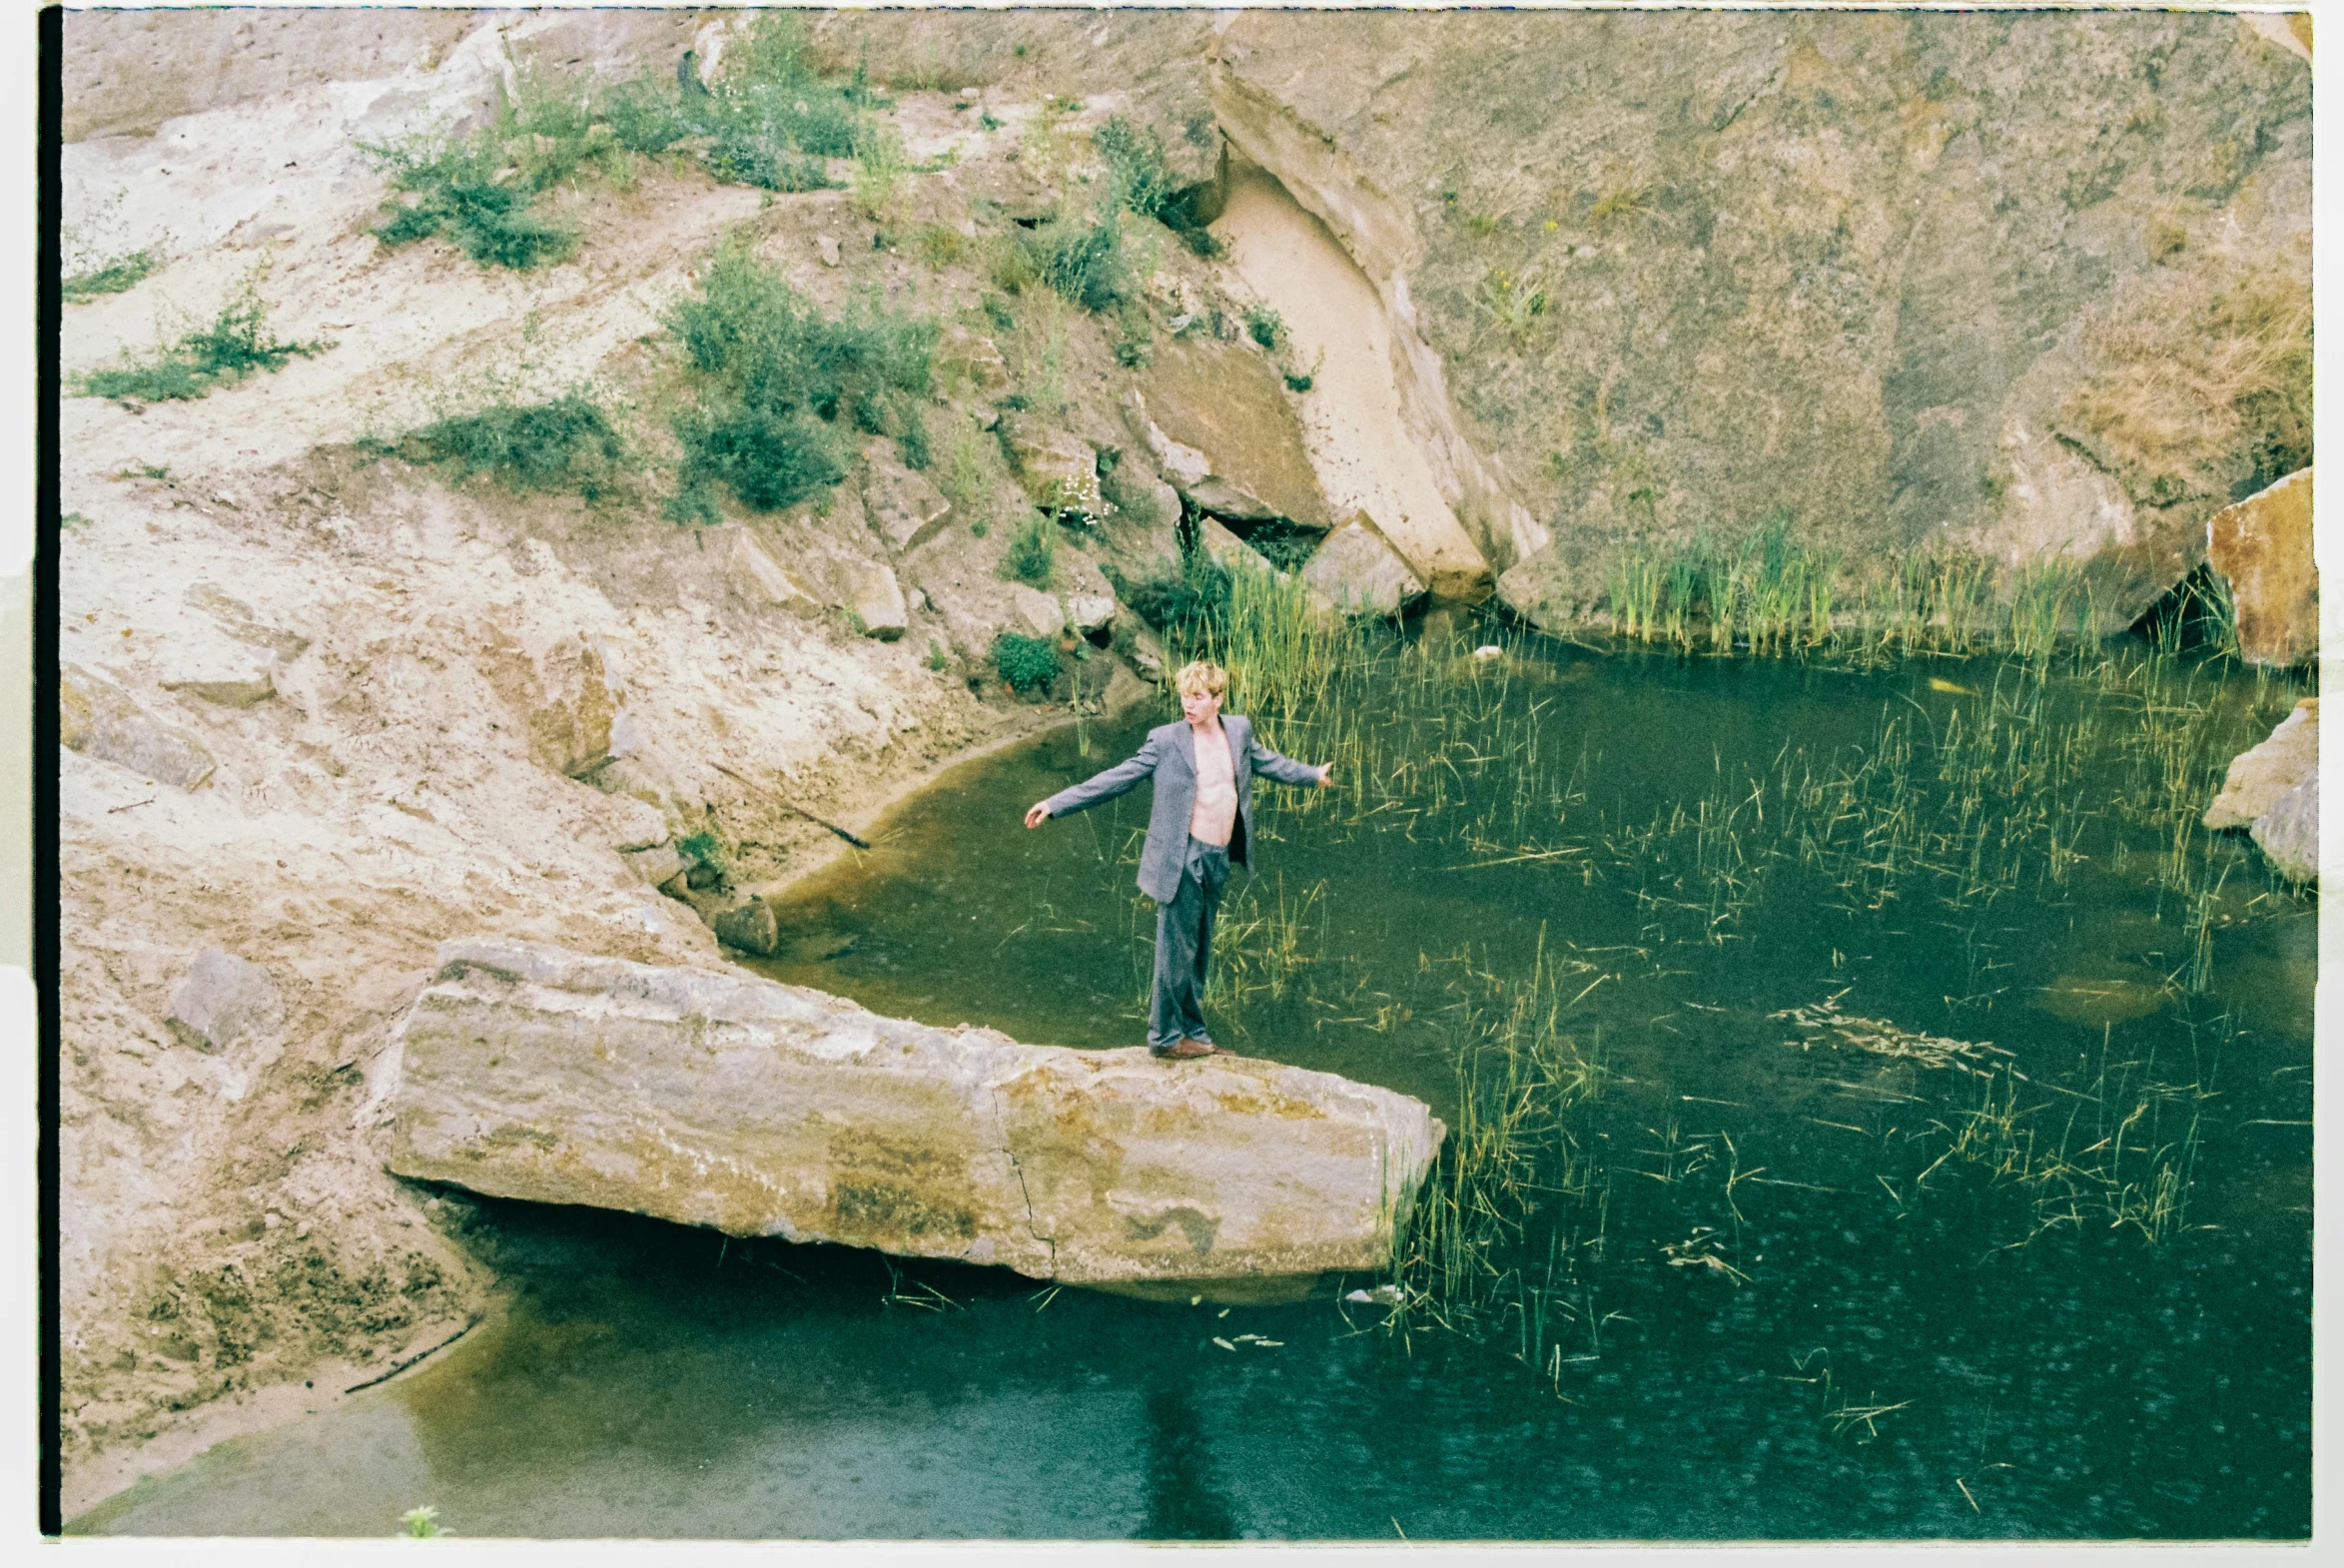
1200 677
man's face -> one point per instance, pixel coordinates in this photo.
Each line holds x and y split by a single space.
1201 706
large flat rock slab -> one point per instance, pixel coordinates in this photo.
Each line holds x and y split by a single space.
760 1109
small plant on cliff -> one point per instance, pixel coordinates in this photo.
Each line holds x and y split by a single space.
569 443
1032 553
113 278
419 1524
1025 664
1144 183
237 344
1265 327
1190 608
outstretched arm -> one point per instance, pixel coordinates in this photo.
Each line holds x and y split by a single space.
1283 770
1105 786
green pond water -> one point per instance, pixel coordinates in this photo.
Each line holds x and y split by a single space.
1877 1111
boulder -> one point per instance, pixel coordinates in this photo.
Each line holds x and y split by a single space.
1359 571
100 719
749 927
2262 549
1222 405
907 510
1090 612
2289 833
760 580
869 592
223 1001
760 1109
1036 613
1059 469
826 247
2259 777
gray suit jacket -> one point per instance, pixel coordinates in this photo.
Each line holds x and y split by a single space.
1169 757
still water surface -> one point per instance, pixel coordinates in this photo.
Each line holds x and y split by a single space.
1772 1318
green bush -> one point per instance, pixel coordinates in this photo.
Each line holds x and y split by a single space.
770 460
113 278
569 443
912 442
237 344
1190 607
778 377
1032 553
1025 664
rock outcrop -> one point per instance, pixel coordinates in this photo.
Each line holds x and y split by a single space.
1217 420
97 716
2273 791
2263 547
760 1109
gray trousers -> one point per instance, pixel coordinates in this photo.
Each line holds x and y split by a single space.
1184 941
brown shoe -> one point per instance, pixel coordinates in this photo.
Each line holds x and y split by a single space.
1184 1050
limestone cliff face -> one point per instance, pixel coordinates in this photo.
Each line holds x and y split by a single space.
2036 280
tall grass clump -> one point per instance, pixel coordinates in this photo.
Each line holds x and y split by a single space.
779 379
232 347
1032 554
568 444
1079 255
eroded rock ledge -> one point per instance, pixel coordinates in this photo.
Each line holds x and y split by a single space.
760 1109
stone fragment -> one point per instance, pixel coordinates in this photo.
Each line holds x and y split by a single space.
2289 833
1059 469
907 510
1036 613
237 619
235 684
1145 653
826 247
657 864
2263 547
1090 612
1361 572
575 703
761 1108
749 927
875 598
1216 542
2258 777
974 358
758 578
223 1001
100 719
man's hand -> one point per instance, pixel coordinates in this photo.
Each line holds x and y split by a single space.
1037 812
1326 775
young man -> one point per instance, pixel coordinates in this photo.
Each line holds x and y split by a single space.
1202 820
